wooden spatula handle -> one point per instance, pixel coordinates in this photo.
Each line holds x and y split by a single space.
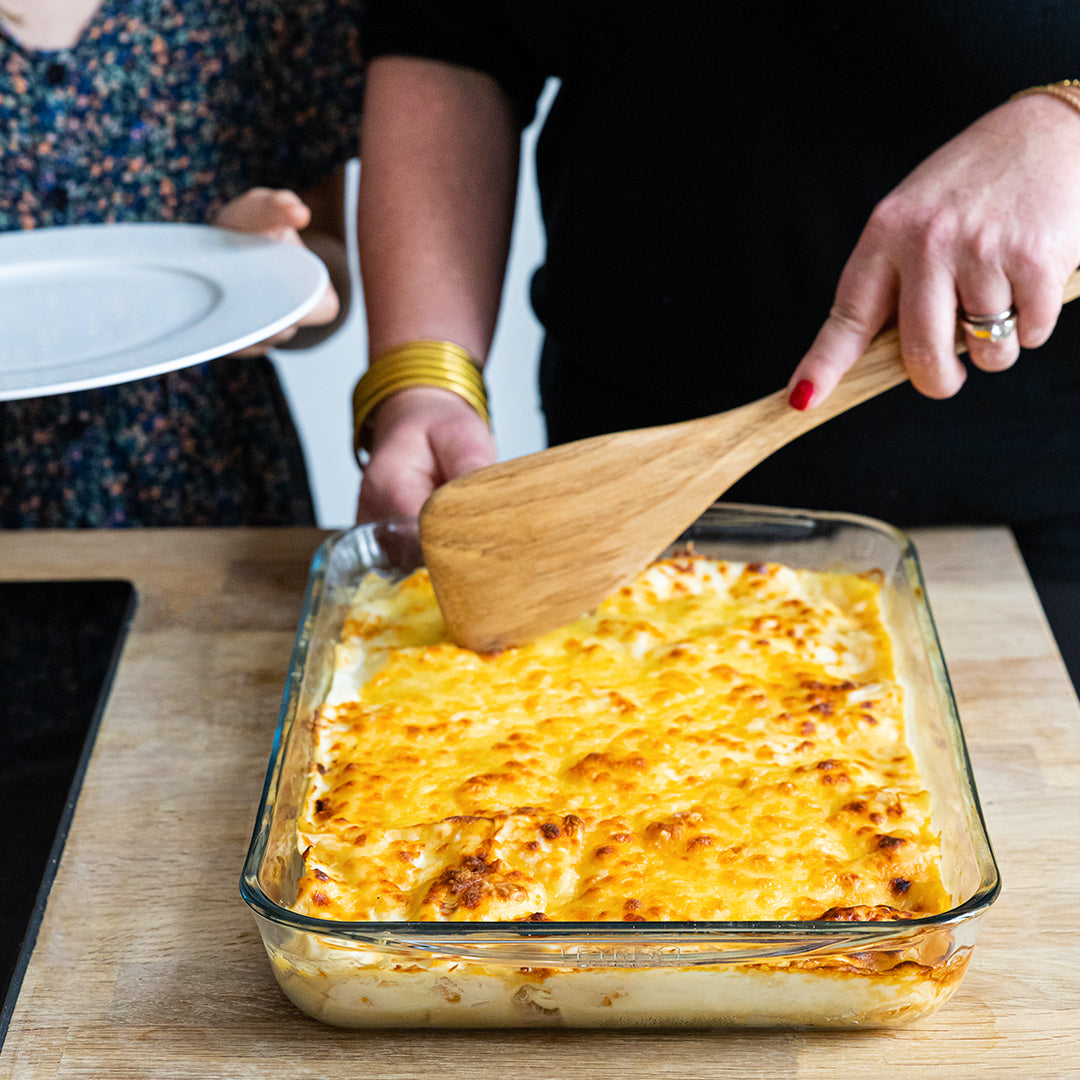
524 545
880 368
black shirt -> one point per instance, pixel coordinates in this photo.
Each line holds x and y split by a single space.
704 172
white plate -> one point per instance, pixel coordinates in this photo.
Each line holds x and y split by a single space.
93 305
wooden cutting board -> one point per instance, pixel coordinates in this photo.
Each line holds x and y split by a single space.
149 965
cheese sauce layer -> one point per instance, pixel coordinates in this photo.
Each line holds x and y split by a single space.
718 741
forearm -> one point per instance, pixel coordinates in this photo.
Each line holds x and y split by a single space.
439 161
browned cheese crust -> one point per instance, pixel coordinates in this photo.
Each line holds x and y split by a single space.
718 741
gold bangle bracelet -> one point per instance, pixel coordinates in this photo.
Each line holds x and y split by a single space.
1068 91
440 364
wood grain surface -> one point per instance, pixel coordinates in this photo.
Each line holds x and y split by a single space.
528 517
149 964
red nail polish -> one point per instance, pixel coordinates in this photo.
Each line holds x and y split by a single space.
801 395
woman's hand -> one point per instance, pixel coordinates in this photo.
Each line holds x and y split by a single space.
989 221
279 215
421 437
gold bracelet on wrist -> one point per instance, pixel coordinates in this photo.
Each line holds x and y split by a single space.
440 364
1068 91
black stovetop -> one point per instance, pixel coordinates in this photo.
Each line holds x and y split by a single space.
59 645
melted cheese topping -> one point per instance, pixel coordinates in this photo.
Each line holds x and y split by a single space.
718 741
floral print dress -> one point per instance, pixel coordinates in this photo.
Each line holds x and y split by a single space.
163 111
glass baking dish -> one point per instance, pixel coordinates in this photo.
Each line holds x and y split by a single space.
605 974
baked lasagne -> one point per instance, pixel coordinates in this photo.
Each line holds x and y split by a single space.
718 741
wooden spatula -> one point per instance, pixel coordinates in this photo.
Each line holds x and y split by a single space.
526 545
